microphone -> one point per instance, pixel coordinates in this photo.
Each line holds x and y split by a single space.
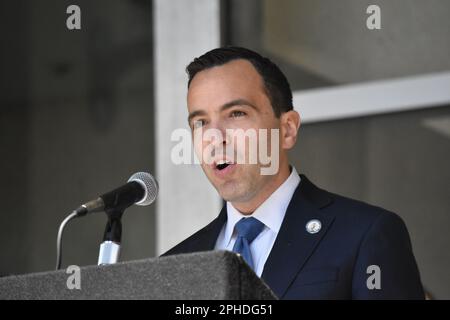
141 189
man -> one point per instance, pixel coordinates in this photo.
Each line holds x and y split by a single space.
304 242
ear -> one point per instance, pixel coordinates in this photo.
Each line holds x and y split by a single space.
289 124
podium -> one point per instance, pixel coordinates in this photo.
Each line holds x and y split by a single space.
203 275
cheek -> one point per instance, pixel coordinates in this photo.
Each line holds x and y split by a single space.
269 142
197 143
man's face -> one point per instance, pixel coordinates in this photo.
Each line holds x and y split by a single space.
225 98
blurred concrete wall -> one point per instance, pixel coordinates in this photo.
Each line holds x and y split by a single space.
331 39
14 142
76 121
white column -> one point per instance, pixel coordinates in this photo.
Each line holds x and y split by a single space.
186 201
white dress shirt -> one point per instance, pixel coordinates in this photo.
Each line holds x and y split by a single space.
271 212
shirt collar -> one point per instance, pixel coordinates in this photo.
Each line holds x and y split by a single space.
271 212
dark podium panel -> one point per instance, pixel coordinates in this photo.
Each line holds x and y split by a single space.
203 275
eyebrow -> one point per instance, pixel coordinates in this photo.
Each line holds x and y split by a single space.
228 105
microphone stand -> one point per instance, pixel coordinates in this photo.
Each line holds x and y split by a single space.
110 247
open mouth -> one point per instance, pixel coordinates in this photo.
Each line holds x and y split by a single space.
223 169
222 164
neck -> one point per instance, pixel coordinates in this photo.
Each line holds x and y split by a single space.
248 207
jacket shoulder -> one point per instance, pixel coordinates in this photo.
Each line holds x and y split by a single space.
196 241
361 212
343 208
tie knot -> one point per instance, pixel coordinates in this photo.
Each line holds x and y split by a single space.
249 228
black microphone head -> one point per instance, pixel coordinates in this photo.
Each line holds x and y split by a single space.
150 186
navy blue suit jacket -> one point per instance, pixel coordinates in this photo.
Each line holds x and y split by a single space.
331 264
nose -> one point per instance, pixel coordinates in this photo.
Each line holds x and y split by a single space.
222 138
221 142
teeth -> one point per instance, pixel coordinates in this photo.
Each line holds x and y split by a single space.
222 162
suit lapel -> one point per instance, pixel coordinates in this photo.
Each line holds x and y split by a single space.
207 237
294 245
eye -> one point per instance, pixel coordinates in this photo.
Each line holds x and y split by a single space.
198 124
238 113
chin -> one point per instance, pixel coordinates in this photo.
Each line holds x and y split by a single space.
227 195
229 192
234 195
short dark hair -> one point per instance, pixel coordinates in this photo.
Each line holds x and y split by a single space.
276 85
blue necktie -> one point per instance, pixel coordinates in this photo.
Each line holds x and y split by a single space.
247 230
